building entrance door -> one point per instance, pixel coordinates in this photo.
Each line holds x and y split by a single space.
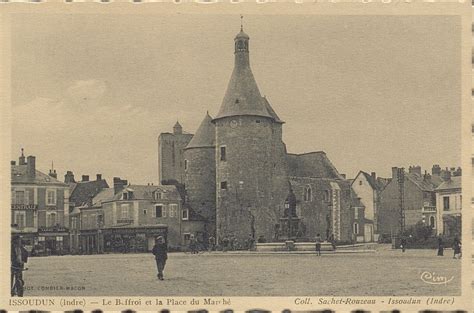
368 233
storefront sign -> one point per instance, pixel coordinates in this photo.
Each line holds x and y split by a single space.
53 229
24 207
160 230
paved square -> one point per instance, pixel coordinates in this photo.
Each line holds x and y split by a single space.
384 273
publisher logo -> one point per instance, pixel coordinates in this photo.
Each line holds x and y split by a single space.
433 278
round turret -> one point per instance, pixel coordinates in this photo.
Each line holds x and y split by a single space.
200 172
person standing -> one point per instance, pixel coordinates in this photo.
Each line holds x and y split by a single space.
403 244
318 244
193 244
160 251
440 246
19 256
212 243
457 248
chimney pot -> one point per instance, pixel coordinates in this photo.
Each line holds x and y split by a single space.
99 177
12 162
85 177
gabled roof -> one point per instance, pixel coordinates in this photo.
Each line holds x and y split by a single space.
19 176
82 193
454 183
104 195
420 182
313 164
145 192
377 184
205 135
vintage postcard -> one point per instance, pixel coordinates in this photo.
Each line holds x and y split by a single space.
236 156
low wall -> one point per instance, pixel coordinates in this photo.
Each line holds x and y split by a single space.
292 246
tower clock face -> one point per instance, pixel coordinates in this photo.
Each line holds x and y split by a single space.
233 123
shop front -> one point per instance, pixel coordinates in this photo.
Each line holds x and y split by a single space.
91 242
52 241
133 239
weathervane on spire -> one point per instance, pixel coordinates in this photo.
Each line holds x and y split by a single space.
241 23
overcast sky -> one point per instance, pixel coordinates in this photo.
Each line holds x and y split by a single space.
93 92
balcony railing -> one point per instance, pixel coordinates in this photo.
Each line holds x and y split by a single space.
430 208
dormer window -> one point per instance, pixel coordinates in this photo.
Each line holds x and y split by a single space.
157 195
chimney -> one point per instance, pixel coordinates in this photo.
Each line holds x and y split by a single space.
31 166
98 177
21 160
53 174
119 184
12 163
85 177
436 170
374 176
343 176
394 173
415 170
448 175
69 177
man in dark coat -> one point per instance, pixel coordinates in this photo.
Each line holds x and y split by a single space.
440 246
19 256
160 251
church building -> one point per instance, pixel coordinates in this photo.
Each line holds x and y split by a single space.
238 175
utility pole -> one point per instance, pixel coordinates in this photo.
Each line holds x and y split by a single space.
401 188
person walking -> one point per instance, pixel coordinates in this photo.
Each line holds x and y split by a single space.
160 251
457 248
440 246
318 244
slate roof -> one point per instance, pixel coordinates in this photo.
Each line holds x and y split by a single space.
243 96
145 192
418 180
454 183
205 135
19 176
104 195
271 111
313 164
82 193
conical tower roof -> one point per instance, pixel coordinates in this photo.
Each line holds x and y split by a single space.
205 135
242 96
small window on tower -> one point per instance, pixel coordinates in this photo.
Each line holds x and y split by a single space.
236 101
224 185
185 165
223 154
257 121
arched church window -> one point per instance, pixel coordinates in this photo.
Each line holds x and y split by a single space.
240 45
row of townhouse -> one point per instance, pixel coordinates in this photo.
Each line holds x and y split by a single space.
433 199
87 216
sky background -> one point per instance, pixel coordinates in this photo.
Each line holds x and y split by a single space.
93 92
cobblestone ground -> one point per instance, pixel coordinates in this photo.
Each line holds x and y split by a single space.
383 273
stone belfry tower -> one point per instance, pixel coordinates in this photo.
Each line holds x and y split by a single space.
250 155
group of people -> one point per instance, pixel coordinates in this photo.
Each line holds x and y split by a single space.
456 247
